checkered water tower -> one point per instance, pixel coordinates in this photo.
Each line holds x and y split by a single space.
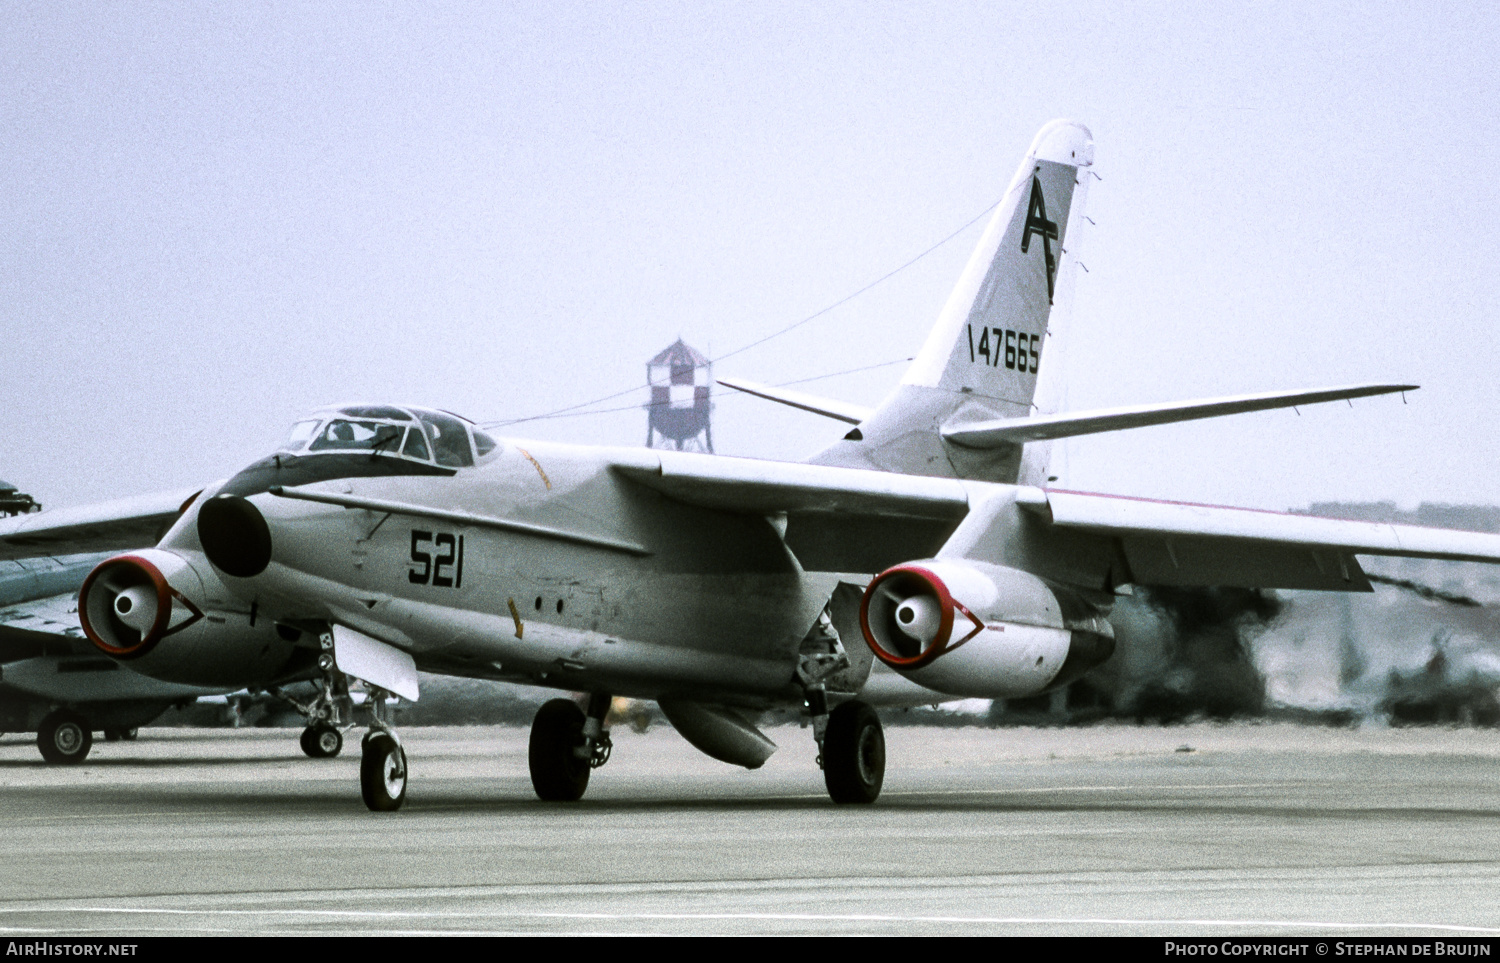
678 412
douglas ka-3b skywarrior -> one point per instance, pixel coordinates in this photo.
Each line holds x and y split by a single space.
925 546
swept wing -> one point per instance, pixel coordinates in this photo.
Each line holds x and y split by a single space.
104 527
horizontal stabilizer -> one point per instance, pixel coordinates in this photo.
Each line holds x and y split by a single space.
827 407
1015 431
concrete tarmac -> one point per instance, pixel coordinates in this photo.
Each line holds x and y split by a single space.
1108 830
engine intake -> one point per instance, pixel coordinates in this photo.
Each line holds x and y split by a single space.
170 617
972 629
126 606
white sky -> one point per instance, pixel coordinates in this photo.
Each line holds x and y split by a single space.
218 215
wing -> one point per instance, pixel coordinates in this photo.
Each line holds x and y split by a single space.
42 626
104 527
1180 543
753 486
859 520
849 520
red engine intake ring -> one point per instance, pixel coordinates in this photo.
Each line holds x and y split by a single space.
158 629
940 642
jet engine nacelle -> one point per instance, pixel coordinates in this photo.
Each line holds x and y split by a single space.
173 620
972 629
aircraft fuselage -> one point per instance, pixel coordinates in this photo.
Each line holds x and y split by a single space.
613 587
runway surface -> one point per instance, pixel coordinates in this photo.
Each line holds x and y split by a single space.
1260 829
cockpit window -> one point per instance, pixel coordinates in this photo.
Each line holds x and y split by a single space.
450 442
416 445
483 443
345 434
383 412
300 433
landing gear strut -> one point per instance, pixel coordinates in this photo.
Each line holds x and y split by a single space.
566 744
851 743
382 765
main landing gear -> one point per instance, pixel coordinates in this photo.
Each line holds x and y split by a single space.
853 754
851 742
382 764
567 743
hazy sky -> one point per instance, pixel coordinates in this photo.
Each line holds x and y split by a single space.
219 215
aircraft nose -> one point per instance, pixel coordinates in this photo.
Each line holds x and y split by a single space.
234 536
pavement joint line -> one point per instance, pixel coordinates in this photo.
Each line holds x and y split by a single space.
792 918
1198 877
1144 787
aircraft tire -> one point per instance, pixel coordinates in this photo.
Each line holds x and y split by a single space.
116 734
322 741
854 754
556 774
64 738
382 773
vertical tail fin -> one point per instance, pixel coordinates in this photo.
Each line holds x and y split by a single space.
996 342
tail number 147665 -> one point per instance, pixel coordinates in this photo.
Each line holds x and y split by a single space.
1017 350
437 559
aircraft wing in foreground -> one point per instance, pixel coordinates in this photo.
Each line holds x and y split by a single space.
384 539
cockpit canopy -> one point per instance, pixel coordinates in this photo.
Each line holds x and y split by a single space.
419 434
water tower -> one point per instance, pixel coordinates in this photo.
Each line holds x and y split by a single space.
678 412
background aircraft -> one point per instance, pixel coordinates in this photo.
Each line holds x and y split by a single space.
384 538
52 680
55 683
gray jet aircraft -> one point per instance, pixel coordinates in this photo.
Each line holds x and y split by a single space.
922 557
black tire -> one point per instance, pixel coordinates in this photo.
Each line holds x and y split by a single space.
854 754
382 773
129 734
116 734
322 741
557 774
64 738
